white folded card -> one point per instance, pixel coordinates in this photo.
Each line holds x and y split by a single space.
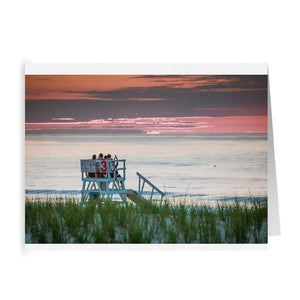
149 155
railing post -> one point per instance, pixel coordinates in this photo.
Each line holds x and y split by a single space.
161 199
143 186
139 185
151 194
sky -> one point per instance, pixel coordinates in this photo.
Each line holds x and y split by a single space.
148 104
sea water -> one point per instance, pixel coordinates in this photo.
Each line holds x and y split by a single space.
197 167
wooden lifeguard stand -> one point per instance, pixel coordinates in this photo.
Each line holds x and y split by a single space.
106 177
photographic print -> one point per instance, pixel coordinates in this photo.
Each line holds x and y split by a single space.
146 158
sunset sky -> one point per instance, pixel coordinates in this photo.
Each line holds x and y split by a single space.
150 104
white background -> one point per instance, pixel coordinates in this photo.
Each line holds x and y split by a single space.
145 32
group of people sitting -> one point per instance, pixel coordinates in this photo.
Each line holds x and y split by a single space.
107 166
100 156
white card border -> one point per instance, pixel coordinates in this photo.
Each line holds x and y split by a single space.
165 69
147 68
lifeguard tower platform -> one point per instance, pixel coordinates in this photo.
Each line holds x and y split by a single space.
106 178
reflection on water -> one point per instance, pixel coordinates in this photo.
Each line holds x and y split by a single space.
197 166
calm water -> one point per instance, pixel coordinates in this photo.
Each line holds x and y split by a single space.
202 167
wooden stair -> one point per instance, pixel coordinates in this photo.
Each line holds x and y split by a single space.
137 199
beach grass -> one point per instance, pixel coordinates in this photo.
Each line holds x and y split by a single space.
95 221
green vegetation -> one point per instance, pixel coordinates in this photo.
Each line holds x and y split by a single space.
68 221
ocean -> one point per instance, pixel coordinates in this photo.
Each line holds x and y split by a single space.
196 166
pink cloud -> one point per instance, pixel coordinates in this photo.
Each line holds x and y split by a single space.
231 124
62 119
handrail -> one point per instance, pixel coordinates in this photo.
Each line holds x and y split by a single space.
141 188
